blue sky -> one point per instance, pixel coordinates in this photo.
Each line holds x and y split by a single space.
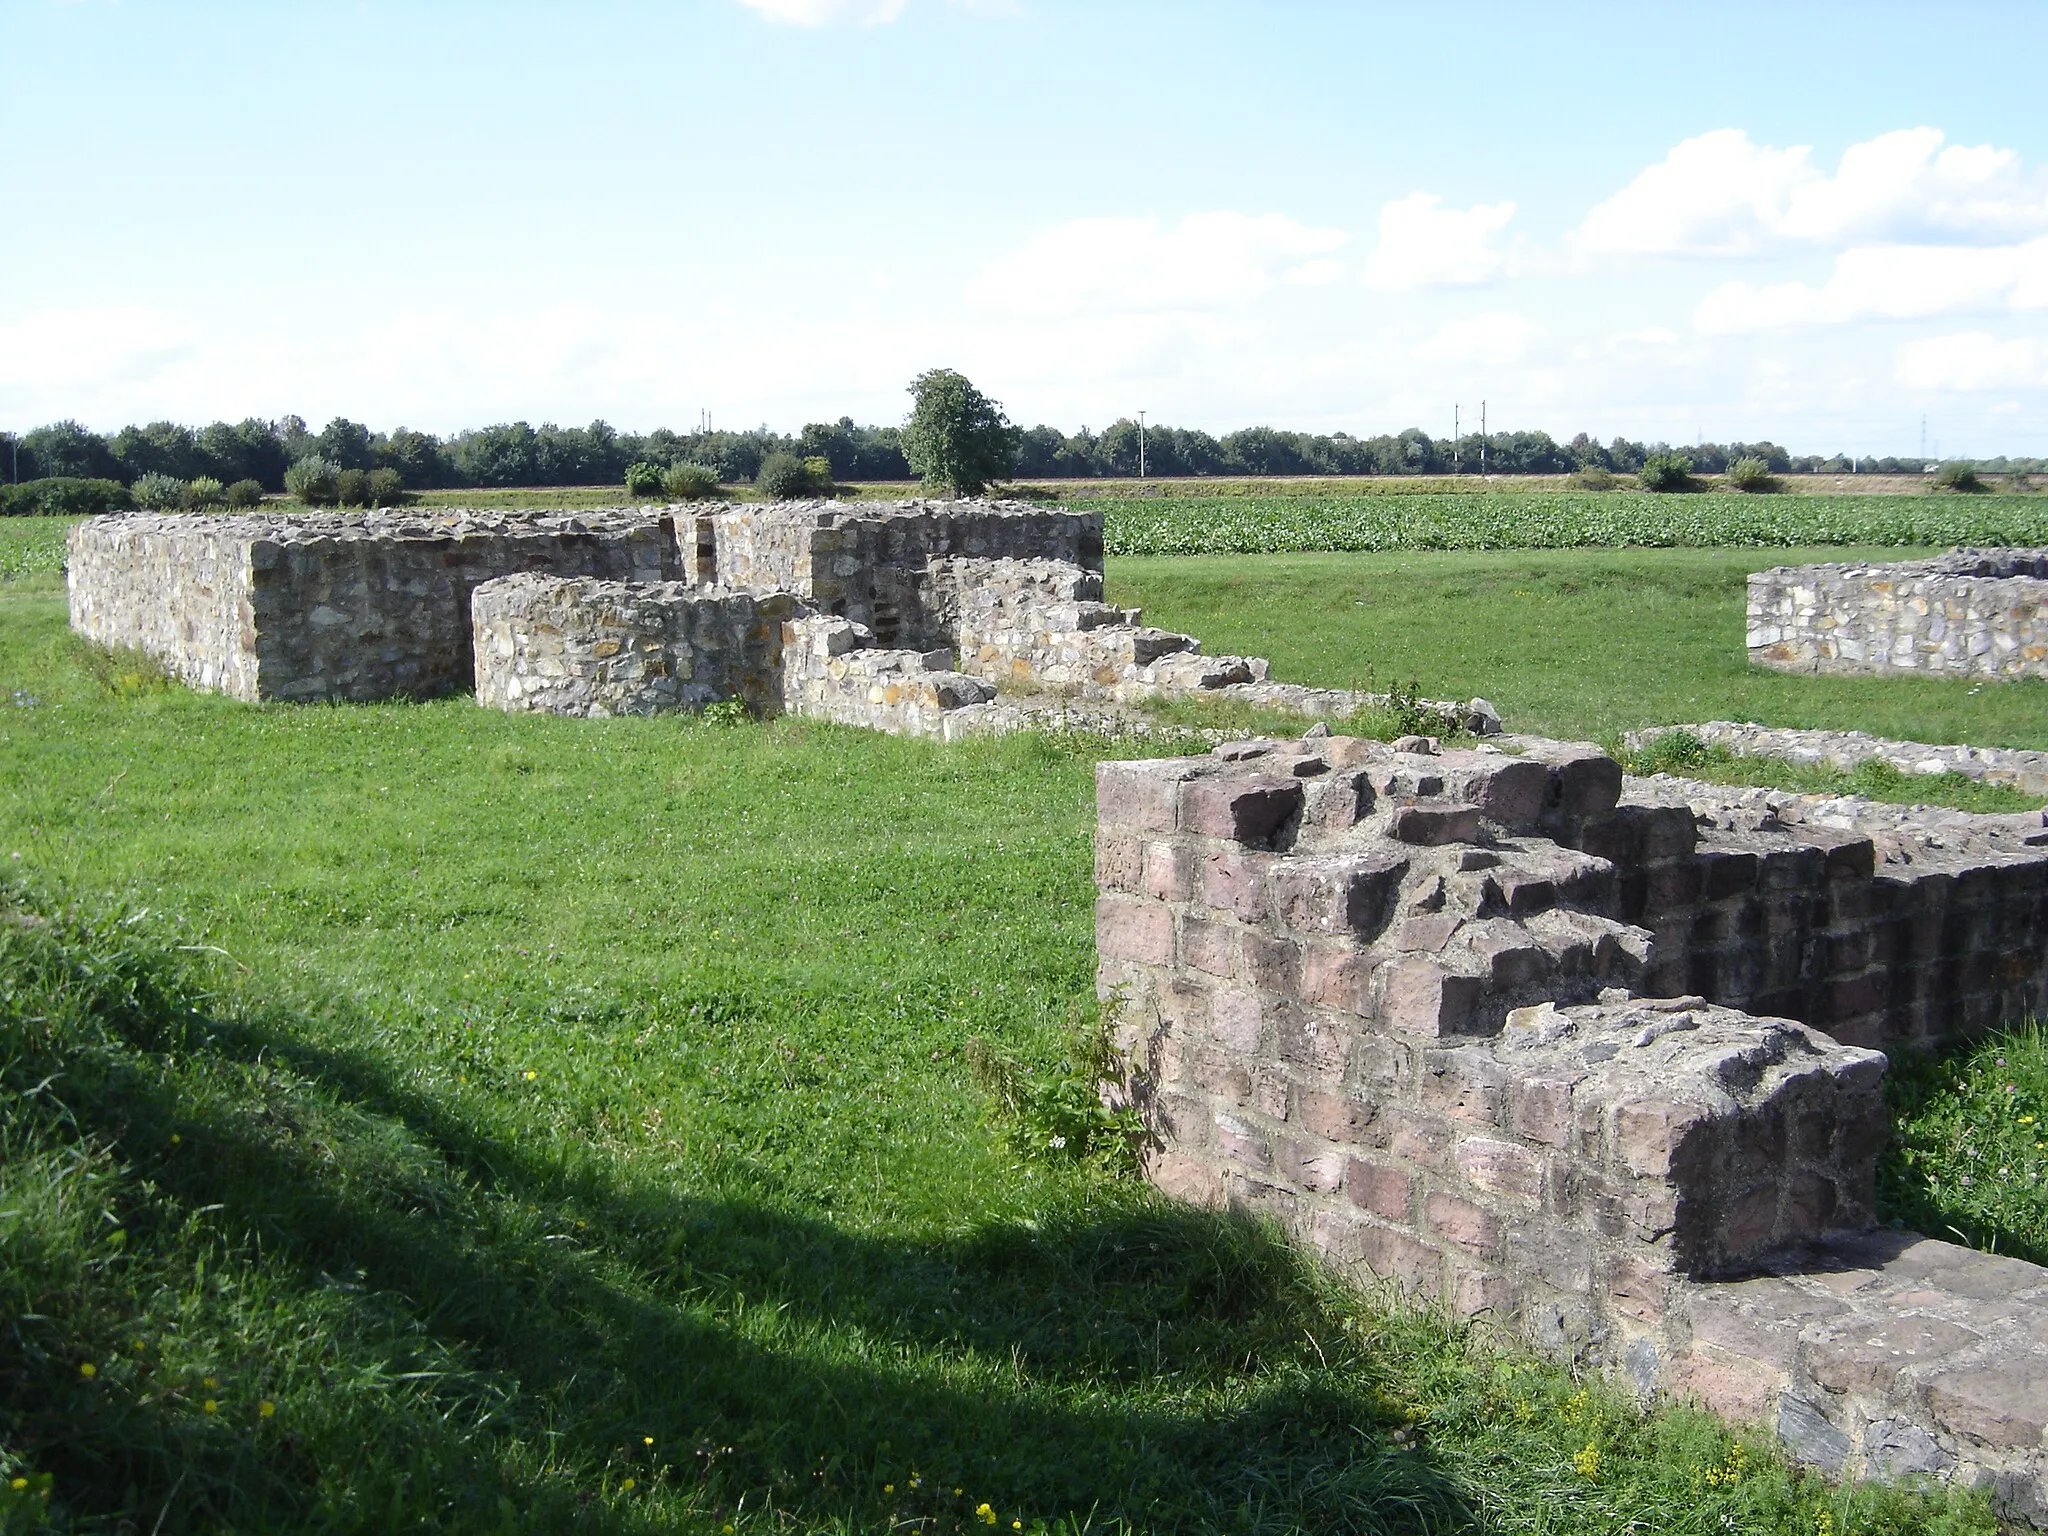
1817 223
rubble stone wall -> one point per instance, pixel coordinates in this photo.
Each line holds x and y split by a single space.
1974 613
1398 1001
833 670
330 607
579 646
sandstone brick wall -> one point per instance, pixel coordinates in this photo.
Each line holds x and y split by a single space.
1978 613
331 607
832 670
578 646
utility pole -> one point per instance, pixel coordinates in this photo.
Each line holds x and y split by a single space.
1923 439
1455 461
1141 445
1482 439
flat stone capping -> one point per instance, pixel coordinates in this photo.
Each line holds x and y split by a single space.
1970 613
2015 768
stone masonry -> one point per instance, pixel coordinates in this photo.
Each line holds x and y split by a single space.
2015 768
1971 613
1415 1006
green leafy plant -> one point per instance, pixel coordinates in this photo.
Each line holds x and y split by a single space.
385 488
689 482
643 479
1080 1110
1958 478
244 493
1665 472
818 473
727 713
957 439
313 480
159 493
1594 478
64 496
352 488
783 477
1752 475
204 492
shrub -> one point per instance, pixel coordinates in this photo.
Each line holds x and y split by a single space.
1752 475
312 480
159 493
783 477
204 492
1666 472
1594 478
957 439
687 482
818 470
64 496
386 488
244 493
1957 477
643 479
352 488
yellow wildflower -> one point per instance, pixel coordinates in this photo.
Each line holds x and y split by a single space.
888 1487
531 1075
1587 1462
209 1406
265 1409
208 1381
628 1485
88 1370
985 1514
18 1484
644 1439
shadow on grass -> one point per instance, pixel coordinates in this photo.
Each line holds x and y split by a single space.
460 1331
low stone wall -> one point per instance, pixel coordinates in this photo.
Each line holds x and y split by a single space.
1846 751
832 670
1974 613
1396 1001
367 606
602 648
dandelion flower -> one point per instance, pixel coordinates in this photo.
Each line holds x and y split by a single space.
176 1138
17 1484
628 1485
888 1487
88 1370
531 1074
208 1381
266 1409
209 1406
984 1513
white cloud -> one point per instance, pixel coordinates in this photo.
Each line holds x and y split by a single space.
1971 360
1423 245
1888 282
823 13
1495 338
1719 194
1205 261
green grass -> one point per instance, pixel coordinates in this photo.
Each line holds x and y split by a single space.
1682 753
32 549
1582 644
1551 519
1968 1158
523 1105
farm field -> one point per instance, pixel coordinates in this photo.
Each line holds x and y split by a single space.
430 1117
1582 644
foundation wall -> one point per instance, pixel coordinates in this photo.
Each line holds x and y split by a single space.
1975 613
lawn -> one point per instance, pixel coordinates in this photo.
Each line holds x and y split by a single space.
415 1116
1581 644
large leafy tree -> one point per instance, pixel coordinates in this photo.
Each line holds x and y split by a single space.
957 439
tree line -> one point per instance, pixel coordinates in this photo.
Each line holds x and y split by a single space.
519 454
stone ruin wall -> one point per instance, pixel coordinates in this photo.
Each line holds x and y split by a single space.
1428 1011
330 607
1971 613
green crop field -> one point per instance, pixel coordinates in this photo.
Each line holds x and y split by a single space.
418 1117
1194 525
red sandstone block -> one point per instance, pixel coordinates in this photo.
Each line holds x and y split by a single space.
1235 882
1305 1038
1743 1390
1378 1188
1421 998
1854 858
1432 826
1467 1084
1209 947
1236 1021
1183 1005
1118 859
1541 1110
1269 1094
1475 1292
1240 810
1272 964
1852 1360
1418 1138
1241 1143
1337 976
1396 1256
1130 929
1315 1169
1636 1288
1501 1168
2003 1404
1674 885
1513 795
1665 831
1650 1136
1469 1226
1726 871
1217 1073
1185 1177
1169 871
1333 1116
1141 796
1348 895
1588 784
1852 995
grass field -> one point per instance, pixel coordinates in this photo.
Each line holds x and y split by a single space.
437 1119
